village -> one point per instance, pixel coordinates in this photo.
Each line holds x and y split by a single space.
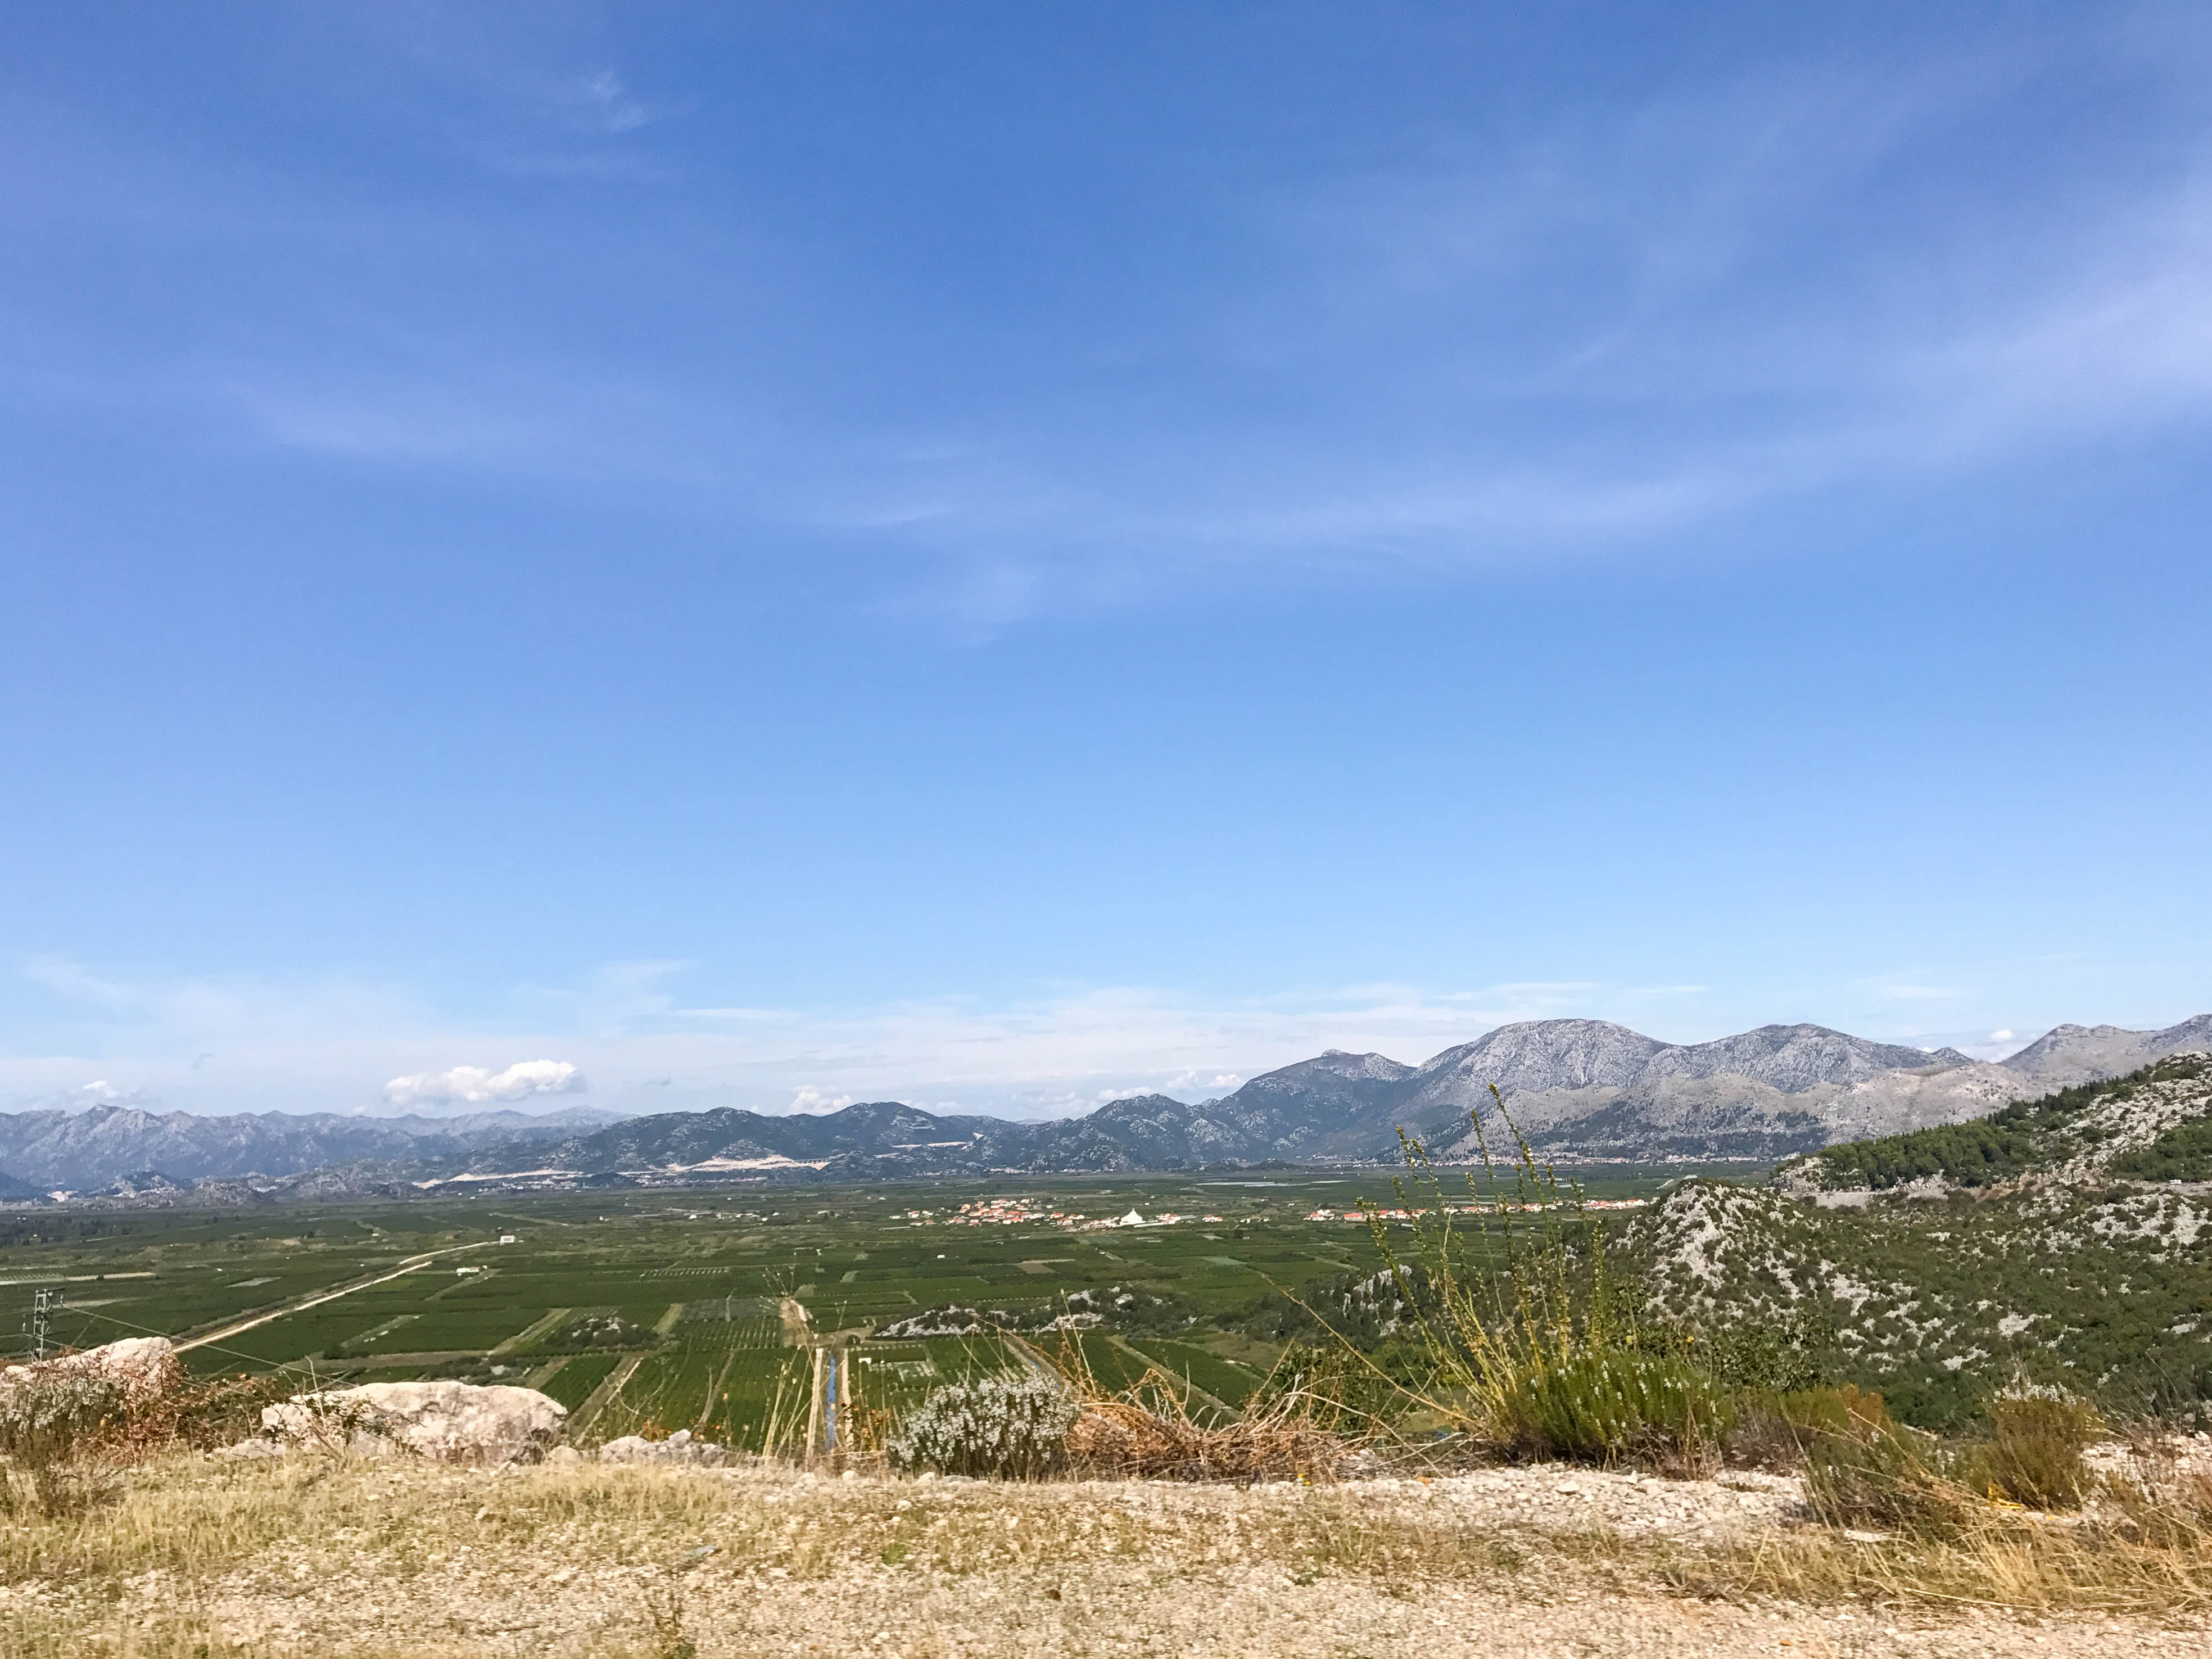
1008 1213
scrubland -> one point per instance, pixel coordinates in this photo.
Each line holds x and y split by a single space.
335 1557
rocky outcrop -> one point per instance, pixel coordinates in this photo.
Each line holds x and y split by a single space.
143 1367
447 1422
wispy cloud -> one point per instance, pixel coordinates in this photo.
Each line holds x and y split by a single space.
1595 333
646 1045
1917 992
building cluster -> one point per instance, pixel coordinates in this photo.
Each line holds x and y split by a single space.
1008 1213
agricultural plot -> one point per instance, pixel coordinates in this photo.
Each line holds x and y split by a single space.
1225 1379
680 1293
893 1376
666 1392
572 1384
1109 1364
756 1389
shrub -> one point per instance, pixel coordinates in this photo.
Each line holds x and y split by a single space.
1606 1403
1773 1430
1499 1302
1885 1480
1864 1470
2034 1453
1776 1357
51 1433
1841 1410
1011 1428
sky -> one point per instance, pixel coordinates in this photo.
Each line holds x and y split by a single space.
999 556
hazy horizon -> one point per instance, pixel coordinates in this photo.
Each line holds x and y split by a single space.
548 1104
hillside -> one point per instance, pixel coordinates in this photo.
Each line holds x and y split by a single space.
2082 1054
2149 1123
2062 1242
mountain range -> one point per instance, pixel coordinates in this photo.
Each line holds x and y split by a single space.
1577 1089
43 1151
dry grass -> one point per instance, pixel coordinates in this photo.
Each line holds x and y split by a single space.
1148 1432
200 1556
2019 1562
341 1559
1125 1438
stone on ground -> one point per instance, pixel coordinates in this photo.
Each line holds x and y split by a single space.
447 1422
143 1367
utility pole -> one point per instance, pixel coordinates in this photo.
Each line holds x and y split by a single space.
44 1305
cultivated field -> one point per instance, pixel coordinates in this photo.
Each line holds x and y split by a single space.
652 1312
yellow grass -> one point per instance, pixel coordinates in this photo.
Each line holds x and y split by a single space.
332 1557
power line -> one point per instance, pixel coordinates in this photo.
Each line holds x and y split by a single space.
213 1347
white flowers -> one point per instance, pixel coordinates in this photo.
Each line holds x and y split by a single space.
1013 1428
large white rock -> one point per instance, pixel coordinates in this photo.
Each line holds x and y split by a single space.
143 1367
451 1422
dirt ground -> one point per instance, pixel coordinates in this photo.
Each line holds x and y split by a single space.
296 1558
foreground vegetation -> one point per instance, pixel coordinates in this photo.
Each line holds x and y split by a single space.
336 1557
1472 1321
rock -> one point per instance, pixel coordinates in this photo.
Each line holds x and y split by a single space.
449 1422
144 1367
564 1455
678 1448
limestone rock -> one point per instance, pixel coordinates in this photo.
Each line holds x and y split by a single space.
143 1367
449 1422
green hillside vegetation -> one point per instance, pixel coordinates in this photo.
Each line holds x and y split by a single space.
2025 1136
2060 1244
2182 1153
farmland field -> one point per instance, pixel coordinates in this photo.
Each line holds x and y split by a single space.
699 1310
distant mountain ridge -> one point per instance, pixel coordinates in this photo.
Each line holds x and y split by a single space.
92 1149
1577 1088
1585 1088
2084 1053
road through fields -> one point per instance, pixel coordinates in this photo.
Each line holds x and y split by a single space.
302 1303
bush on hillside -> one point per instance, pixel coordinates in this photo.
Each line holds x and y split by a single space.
1006 1428
1779 1357
51 1431
1601 1404
2034 1453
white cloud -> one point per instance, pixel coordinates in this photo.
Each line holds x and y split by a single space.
814 1100
473 1086
102 1092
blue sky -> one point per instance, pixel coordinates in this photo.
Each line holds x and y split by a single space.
998 555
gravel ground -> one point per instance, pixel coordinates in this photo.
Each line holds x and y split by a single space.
578 1564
